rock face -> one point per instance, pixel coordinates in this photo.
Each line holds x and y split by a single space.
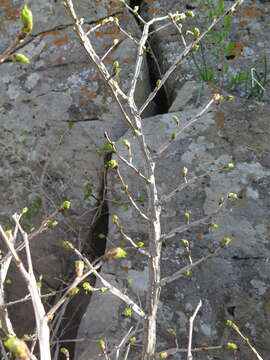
52 117
232 285
229 57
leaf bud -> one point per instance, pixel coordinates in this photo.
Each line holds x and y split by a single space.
27 20
230 346
112 164
117 253
196 32
73 291
185 243
163 355
225 242
232 196
65 206
17 347
20 58
127 312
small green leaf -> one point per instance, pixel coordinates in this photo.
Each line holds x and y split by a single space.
27 20
127 312
20 58
87 287
230 346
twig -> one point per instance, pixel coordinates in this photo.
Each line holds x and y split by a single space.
126 162
181 273
246 340
191 321
192 121
186 52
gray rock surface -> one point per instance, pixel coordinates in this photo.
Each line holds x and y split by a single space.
232 285
248 31
53 115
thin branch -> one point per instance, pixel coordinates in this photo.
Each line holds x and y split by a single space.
129 239
191 321
110 287
189 182
192 121
186 52
126 162
246 340
181 273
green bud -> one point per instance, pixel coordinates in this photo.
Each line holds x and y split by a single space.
163 355
108 146
27 20
17 347
230 346
190 14
127 312
126 143
225 242
158 82
132 340
230 165
112 164
185 242
73 291
117 253
86 286
129 282
232 196
218 97
195 47
171 331
187 273
65 351
140 244
196 32
229 323
25 210
102 289
65 206
187 215
213 226
116 64
173 136
175 118
20 58
67 245
101 344
115 219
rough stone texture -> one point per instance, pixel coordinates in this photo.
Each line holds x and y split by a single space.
53 115
248 30
52 118
233 285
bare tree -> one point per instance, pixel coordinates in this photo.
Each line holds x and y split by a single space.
132 115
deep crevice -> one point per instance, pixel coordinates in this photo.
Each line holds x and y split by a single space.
161 98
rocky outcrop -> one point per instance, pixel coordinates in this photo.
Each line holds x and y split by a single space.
53 115
232 285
